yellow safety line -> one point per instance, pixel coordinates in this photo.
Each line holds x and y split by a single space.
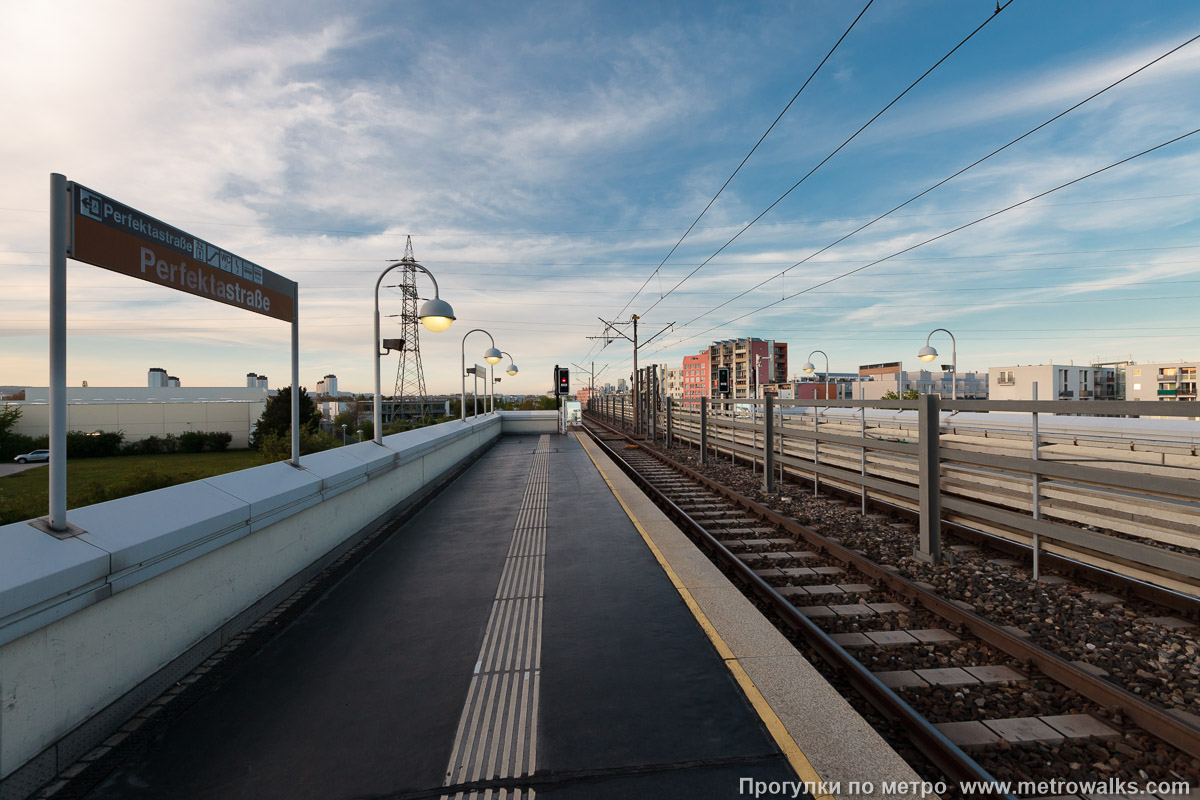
779 732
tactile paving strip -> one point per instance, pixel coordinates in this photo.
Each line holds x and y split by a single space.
497 732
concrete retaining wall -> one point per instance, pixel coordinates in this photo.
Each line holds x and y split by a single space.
86 620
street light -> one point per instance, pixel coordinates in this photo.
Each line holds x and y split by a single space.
928 354
810 369
436 315
491 355
512 368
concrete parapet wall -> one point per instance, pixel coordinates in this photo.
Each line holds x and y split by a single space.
85 620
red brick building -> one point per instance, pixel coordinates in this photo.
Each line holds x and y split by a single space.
695 377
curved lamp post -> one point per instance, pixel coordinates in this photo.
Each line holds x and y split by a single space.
436 315
512 370
810 369
491 355
927 354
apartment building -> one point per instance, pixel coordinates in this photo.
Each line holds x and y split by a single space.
1055 382
694 377
1162 381
672 381
817 386
879 379
804 390
753 363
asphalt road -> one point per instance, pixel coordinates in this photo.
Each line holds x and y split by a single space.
13 468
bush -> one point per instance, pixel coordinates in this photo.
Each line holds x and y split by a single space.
218 441
276 447
79 444
199 441
98 444
150 446
192 442
14 444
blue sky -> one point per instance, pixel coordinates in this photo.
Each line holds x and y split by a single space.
546 157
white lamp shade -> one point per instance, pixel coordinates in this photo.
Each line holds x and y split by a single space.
436 315
809 368
927 353
492 356
512 369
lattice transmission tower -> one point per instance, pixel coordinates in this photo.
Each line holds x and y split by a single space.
410 376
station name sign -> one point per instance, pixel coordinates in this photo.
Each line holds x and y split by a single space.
109 234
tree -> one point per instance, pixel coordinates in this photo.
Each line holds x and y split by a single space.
9 416
909 394
356 411
277 417
12 443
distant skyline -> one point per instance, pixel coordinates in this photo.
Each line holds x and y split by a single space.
546 163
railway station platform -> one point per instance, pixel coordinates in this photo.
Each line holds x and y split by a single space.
538 628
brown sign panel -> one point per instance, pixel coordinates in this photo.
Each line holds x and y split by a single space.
114 236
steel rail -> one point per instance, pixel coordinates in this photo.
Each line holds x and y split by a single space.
944 754
1151 718
1115 551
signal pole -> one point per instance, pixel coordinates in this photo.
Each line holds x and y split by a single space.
612 326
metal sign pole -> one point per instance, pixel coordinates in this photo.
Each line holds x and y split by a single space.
1037 505
59 222
769 447
862 432
296 378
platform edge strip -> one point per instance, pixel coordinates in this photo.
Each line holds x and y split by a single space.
779 732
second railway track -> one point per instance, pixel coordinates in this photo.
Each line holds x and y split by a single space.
976 697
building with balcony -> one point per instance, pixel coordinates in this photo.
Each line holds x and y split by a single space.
753 363
1055 382
876 384
1162 381
672 382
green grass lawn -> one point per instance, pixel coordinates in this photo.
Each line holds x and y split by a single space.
26 494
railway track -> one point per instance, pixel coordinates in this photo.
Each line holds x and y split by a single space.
1151 533
977 699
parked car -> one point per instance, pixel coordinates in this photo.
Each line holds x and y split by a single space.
36 455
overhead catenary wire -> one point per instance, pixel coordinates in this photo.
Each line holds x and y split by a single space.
951 177
838 149
952 231
1167 280
738 169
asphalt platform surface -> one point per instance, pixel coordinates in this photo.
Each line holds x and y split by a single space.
361 696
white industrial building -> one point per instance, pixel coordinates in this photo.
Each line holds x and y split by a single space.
142 411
